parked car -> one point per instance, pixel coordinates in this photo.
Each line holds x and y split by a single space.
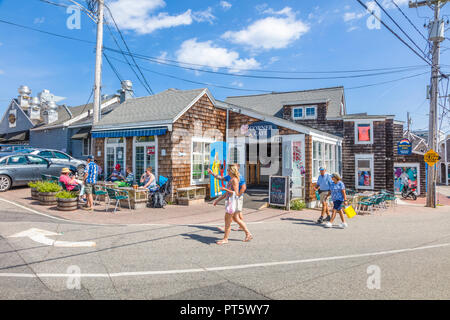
19 169
7 149
58 157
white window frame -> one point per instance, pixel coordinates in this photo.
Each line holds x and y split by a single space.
145 144
114 145
361 156
89 146
323 160
315 112
303 113
356 132
203 180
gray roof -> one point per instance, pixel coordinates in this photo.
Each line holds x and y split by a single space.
164 106
272 103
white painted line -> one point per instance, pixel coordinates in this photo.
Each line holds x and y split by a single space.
225 268
33 211
41 236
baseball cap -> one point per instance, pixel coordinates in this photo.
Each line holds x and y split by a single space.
90 157
321 168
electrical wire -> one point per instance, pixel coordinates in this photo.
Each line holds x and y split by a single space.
409 20
148 87
113 68
390 81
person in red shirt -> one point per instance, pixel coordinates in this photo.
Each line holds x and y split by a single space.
71 184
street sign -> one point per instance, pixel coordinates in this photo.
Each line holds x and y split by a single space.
431 157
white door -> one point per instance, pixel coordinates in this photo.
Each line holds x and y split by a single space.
145 155
115 154
236 153
293 159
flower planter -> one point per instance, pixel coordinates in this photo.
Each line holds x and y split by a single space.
47 198
34 194
70 204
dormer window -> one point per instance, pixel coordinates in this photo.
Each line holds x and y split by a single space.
297 113
300 113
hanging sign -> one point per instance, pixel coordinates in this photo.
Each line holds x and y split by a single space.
260 129
404 147
151 151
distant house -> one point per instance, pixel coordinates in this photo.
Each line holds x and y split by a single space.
444 164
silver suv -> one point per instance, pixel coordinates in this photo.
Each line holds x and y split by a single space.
58 157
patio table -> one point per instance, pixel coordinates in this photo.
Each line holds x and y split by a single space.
138 197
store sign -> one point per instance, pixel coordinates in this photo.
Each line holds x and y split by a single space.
151 151
431 157
404 147
260 129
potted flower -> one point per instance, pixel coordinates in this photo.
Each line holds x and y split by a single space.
47 193
67 201
34 193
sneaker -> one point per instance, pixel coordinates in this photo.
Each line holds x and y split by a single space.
343 225
320 220
328 225
328 218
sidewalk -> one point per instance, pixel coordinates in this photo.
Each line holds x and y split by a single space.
171 214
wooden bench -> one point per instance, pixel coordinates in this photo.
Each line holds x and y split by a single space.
191 195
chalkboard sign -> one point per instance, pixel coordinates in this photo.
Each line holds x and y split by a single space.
278 191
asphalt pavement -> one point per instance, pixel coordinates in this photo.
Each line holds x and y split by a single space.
396 254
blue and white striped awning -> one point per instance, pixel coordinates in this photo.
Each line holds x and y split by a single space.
130 133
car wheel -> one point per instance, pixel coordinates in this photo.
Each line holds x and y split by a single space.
5 183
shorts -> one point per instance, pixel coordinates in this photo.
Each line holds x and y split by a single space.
323 196
89 188
337 204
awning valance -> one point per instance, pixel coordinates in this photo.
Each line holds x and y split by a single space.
130 133
82 134
19 137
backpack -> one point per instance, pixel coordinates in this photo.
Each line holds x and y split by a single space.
157 200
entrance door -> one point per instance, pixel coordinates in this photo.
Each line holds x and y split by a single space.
236 154
115 154
293 159
145 155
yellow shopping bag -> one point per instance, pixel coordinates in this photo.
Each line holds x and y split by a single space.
350 212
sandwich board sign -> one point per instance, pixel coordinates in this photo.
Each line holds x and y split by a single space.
279 191
431 157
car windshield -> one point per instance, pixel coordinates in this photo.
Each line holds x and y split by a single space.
24 150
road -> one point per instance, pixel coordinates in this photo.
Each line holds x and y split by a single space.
406 251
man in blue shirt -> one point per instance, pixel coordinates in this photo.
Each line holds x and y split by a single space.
242 189
90 179
323 186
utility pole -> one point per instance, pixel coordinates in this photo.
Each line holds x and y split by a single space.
436 35
98 63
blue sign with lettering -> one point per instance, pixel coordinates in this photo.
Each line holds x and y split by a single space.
404 147
261 129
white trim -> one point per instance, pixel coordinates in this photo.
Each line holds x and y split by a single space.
90 146
293 113
114 145
358 122
367 119
365 156
125 126
303 102
198 139
315 112
410 165
205 91
145 144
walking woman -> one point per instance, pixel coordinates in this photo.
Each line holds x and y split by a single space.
233 188
339 197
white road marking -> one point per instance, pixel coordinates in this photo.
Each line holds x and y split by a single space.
224 268
40 236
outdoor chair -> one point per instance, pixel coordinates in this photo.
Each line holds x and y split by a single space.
117 196
46 177
99 191
366 203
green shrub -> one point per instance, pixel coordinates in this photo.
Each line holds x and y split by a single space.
297 205
66 195
33 184
47 186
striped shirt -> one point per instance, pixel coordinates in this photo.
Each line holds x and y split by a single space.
92 171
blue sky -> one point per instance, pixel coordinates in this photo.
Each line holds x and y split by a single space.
286 35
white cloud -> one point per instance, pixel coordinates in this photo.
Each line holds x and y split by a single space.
206 53
353 28
237 84
140 15
387 4
349 16
273 60
225 5
205 15
274 32
2 72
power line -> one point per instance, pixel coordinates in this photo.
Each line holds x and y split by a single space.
160 61
409 20
55 4
113 68
398 26
148 88
395 34
266 91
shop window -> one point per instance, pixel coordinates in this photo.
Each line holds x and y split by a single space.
325 155
145 139
200 161
364 175
363 133
297 113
